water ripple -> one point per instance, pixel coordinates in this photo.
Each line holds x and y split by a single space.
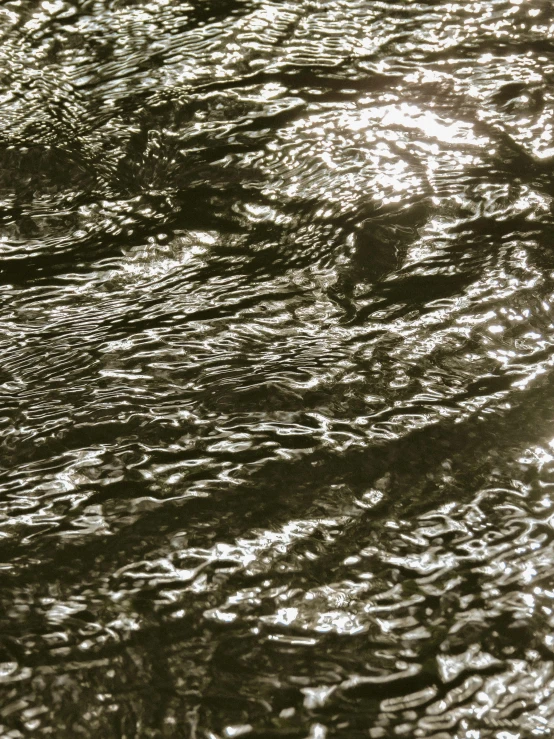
276 424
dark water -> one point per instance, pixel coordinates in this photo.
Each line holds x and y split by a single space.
277 375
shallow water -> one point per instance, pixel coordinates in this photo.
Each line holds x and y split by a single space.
277 375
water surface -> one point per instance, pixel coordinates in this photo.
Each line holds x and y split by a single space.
277 378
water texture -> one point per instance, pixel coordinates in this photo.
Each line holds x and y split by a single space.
277 377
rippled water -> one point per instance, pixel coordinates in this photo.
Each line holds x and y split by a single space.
277 376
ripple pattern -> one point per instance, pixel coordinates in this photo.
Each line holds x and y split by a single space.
276 420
